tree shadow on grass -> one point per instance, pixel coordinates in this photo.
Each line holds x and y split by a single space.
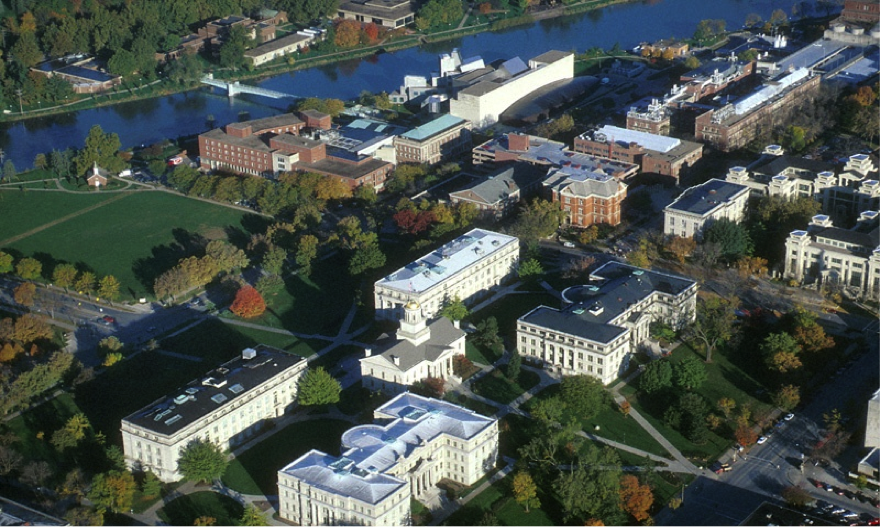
185 509
166 256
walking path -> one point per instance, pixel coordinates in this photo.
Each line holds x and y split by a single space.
45 226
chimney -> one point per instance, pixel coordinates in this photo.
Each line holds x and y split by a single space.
518 142
368 352
396 360
456 324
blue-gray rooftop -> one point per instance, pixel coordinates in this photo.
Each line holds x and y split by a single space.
432 128
706 197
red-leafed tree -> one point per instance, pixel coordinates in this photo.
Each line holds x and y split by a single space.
412 222
429 387
248 303
485 8
745 435
635 498
371 30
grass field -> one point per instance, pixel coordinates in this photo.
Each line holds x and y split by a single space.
499 388
499 500
219 342
256 470
185 509
135 237
510 308
724 380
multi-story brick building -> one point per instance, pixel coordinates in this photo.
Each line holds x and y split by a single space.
267 147
228 406
733 126
699 206
713 77
443 138
587 198
468 268
861 11
499 194
656 154
602 324
655 119
417 442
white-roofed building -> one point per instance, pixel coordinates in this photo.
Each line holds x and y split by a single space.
701 205
419 349
228 406
467 268
417 442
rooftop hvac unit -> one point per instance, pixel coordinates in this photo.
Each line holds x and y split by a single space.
248 353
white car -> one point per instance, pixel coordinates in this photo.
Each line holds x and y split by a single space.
788 417
762 440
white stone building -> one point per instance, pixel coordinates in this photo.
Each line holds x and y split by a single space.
703 204
482 103
849 258
227 406
602 324
419 349
418 442
467 268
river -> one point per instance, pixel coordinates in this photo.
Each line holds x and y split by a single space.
147 121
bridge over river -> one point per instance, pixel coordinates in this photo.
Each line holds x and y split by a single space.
234 88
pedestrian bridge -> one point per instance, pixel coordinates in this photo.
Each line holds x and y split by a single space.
234 88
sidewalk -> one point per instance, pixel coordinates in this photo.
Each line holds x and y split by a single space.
450 507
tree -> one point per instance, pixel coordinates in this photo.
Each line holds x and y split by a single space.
454 309
583 394
780 351
548 411
151 486
30 328
236 42
85 283
205 521
635 498
10 460
692 62
745 435
113 490
36 473
227 256
248 303
731 237
306 251
726 405
530 270
101 149
5 263
252 516
714 323
171 283
273 260
64 275
9 171
81 515
25 293
317 387
657 376
525 491
787 397
778 18
795 496
108 287
625 408
591 489
29 268
367 256
348 34
538 219
680 248
513 366
433 387
689 373
202 461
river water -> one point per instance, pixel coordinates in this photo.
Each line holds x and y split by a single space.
147 121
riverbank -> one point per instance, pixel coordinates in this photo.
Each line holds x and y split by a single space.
164 87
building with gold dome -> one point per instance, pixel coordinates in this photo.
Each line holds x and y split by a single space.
468 268
416 442
419 349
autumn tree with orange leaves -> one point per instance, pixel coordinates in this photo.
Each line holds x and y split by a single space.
635 498
248 303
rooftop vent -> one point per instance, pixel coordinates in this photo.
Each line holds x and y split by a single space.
180 399
215 383
638 272
192 391
219 398
174 419
161 415
578 311
236 389
248 353
596 310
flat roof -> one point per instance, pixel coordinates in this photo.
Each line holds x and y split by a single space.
368 451
215 391
267 123
706 197
612 289
432 128
338 167
391 10
254 142
275 45
552 56
607 133
448 260
86 73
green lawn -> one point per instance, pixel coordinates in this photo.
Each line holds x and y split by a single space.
256 470
45 418
471 404
479 353
185 509
316 304
218 342
724 380
612 424
497 387
511 307
135 238
498 498
33 209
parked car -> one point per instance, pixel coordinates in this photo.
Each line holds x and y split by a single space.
762 440
788 417
568 244
107 319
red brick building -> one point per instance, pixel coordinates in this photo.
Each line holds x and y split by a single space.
587 198
267 147
861 11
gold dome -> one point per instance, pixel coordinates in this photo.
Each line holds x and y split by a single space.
412 304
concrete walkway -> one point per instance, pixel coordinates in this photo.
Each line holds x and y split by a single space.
439 515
